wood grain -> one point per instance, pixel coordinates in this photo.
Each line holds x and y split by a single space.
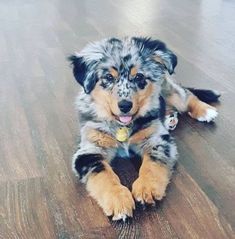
39 195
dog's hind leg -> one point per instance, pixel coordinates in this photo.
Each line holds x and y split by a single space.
183 100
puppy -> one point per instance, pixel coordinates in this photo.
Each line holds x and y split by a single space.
127 85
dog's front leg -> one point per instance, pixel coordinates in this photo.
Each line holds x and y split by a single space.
155 171
152 181
91 165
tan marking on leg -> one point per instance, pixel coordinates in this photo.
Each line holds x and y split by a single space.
141 135
197 108
114 198
101 139
152 181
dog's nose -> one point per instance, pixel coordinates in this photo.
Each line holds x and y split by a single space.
125 106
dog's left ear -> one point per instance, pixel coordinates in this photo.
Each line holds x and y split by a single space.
83 73
159 51
167 58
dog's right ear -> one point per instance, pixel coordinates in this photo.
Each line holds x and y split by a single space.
82 73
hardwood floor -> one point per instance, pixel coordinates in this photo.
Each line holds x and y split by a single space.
39 195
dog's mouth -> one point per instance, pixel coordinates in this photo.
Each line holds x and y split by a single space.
125 119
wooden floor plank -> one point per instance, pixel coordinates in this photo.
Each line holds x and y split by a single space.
39 195
204 221
24 210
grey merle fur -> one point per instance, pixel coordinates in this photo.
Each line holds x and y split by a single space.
128 82
90 67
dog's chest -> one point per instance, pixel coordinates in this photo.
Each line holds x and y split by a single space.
129 143
126 150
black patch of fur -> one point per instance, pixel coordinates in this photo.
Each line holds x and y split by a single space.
164 148
144 121
207 96
147 43
127 58
80 70
166 137
161 147
167 150
114 40
104 84
141 83
86 162
135 159
157 159
162 111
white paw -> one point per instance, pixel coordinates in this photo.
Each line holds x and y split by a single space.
210 115
171 121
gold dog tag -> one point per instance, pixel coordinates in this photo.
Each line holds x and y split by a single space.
122 134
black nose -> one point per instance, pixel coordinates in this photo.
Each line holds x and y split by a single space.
125 106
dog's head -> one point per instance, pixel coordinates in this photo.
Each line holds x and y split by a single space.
123 77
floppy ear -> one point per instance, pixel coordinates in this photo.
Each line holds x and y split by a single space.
159 50
83 73
167 58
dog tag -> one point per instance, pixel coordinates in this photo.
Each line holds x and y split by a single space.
122 134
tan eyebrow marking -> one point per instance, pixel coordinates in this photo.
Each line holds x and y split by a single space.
113 72
133 71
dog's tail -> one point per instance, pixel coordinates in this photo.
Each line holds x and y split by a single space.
207 96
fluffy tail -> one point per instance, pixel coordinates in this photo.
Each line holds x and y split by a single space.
207 96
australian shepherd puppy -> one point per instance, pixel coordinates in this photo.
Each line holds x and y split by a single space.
127 86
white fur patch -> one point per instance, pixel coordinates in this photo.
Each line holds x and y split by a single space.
120 216
210 115
171 121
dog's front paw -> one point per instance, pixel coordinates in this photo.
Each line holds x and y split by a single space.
118 202
147 190
203 112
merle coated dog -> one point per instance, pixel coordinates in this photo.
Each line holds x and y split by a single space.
127 85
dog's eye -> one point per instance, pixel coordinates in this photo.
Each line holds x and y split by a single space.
139 77
109 77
